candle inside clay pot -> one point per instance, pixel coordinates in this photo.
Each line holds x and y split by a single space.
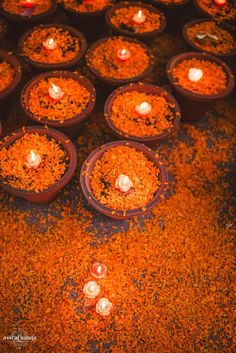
123 54
104 307
143 109
195 75
98 270
27 3
33 160
220 2
50 44
139 17
55 92
123 183
91 289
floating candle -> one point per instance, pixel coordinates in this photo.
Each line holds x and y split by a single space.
123 183
139 17
33 160
195 75
220 2
104 307
50 44
98 270
143 109
123 54
91 289
27 3
55 92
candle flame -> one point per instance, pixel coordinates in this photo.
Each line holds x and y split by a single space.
99 269
140 13
144 105
32 156
55 88
123 51
51 41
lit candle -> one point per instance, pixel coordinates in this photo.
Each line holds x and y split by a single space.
123 183
195 75
55 92
104 307
143 109
33 160
123 54
139 17
91 289
50 44
220 2
98 270
27 3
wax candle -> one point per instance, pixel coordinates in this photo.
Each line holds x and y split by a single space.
55 92
123 54
123 183
98 270
143 109
220 2
33 160
50 44
195 75
28 3
139 17
91 289
104 307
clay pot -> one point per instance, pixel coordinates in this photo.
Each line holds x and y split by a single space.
70 127
193 106
3 29
87 169
228 57
65 65
90 23
149 89
6 94
48 195
206 14
172 11
142 36
23 23
113 82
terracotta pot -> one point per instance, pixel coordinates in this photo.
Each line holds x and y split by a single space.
49 194
193 105
206 14
90 23
172 11
3 29
70 127
6 94
149 89
118 82
23 23
148 35
88 166
65 65
228 57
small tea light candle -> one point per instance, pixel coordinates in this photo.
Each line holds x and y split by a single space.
195 75
123 183
33 160
28 3
91 289
104 307
143 109
55 92
50 44
123 54
98 270
139 18
220 2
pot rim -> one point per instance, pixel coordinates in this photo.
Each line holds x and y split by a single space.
87 14
66 64
202 56
86 172
15 63
155 32
225 26
142 87
170 4
29 19
58 137
114 81
68 74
